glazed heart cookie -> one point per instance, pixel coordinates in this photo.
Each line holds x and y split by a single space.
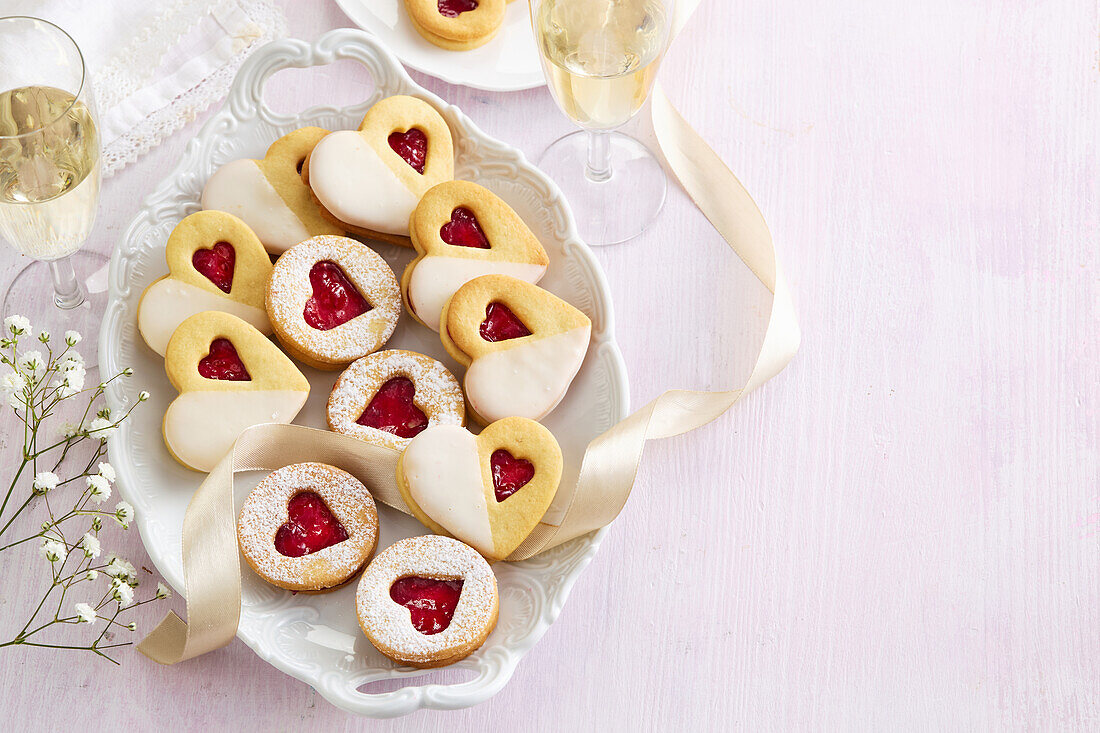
456 25
230 377
522 346
332 300
369 180
461 230
269 195
488 490
389 397
215 262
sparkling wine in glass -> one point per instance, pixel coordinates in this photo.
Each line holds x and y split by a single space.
49 171
600 58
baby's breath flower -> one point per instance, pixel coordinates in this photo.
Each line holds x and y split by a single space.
122 592
44 337
120 569
12 382
68 429
85 612
107 471
72 338
90 543
163 591
91 575
124 514
97 524
127 372
143 395
17 325
101 428
101 490
53 550
17 400
45 481
32 365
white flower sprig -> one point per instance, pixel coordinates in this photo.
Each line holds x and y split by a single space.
34 383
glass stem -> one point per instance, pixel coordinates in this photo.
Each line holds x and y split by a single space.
67 291
598 167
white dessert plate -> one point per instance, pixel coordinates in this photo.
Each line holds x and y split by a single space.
507 63
316 638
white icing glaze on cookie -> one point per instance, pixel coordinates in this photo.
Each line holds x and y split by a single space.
169 302
435 279
200 427
444 478
527 380
241 188
357 187
389 624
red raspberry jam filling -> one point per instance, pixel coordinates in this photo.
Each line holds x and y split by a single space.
452 8
223 363
412 146
309 527
216 264
501 324
463 230
335 300
392 410
431 601
510 474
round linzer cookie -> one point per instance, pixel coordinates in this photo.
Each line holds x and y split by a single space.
427 601
215 263
456 25
369 180
308 527
521 345
390 397
488 490
230 377
269 195
332 300
461 231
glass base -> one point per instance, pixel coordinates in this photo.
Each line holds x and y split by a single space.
612 210
31 291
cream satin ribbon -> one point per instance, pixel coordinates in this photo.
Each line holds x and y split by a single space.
211 561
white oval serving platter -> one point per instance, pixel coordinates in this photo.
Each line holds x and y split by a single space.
316 637
507 63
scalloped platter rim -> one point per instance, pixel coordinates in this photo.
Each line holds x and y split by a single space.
315 638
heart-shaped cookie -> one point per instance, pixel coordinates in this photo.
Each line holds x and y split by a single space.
488 490
460 231
269 194
456 25
522 346
230 377
215 262
369 180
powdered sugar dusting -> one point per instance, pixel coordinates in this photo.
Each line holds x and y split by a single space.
265 510
437 394
290 288
389 624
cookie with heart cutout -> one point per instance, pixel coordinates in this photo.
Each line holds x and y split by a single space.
215 262
332 300
269 194
456 25
427 601
369 180
522 346
308 527
488 490
461 231
389 397
230 377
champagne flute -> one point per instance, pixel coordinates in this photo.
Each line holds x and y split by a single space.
600 58
49 171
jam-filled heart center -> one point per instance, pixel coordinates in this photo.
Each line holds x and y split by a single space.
216 264
412 146
501 324
223 362
453 8
510 474
463 230
310 526
392 410
335 300
431 602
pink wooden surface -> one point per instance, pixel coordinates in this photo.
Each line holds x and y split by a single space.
902 530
